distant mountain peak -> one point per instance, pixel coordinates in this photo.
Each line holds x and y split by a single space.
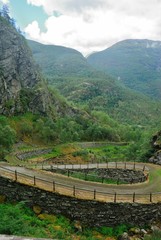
137 63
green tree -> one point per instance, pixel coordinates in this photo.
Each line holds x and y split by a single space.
7 137
26 128
5 12
45 129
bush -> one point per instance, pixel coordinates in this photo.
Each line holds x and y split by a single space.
156 235
113 231
82 153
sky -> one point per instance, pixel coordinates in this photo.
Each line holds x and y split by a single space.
87 25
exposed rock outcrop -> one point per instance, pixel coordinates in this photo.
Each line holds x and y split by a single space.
22 87
17 71
156 145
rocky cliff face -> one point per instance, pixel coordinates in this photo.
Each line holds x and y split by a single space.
156 145
22 87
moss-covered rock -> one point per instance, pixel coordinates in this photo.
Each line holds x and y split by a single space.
37 209
2 198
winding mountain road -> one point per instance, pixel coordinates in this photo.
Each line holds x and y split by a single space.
82 189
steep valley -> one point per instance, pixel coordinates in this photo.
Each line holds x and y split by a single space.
69 72
57 108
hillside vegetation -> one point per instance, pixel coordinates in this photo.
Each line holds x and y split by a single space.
35 116
136 63
100 108
34 110
68 71
104 94
59 61
22 221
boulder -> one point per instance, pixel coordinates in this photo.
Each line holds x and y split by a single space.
124 236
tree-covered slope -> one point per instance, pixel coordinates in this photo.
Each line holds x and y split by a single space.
36 112
136 63
85 85
103 94
59 61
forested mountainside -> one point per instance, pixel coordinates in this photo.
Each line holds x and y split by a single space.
87 86
59 61
103 104
22 87
136 63
100 107
35 112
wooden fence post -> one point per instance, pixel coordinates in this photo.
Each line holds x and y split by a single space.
115 197
150 197
116 164
53 186
74 191
34 180
15 175
118 181
94 193
107 165
134 165
125 165
134 197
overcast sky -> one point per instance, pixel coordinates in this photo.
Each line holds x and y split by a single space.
87 25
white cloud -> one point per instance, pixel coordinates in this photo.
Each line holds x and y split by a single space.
37 3
67 6
33 30
91 25
4 1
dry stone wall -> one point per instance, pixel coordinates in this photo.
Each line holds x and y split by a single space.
121 175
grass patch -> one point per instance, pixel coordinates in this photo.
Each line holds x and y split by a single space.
56 152
155 177
156 235
22 221
93 177
52 154
110 152
113 231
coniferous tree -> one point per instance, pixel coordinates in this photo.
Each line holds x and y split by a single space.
5 12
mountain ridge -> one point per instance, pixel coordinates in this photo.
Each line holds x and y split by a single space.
96 89
56 59
134 62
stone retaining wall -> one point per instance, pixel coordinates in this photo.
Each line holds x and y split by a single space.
100 144
121 175
29 154
89 213
125 175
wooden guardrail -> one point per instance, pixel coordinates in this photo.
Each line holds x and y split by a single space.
75 191
72 170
